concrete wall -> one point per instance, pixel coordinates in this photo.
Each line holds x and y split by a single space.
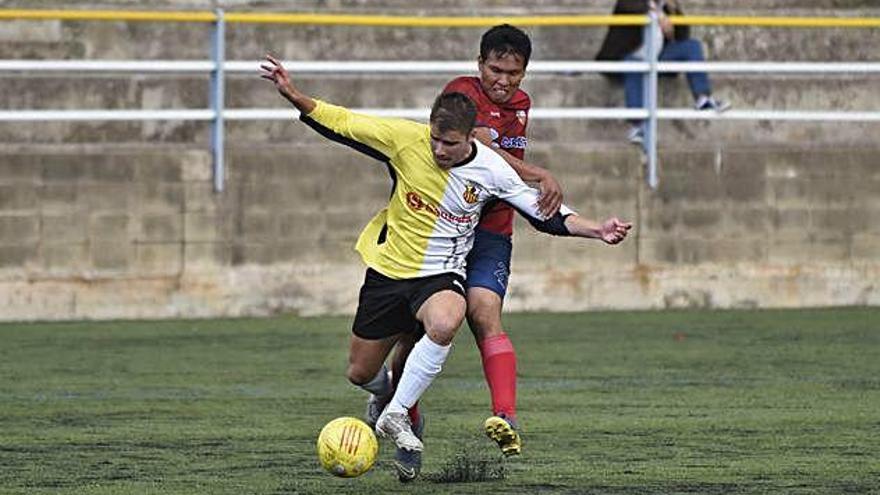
118 220
97 233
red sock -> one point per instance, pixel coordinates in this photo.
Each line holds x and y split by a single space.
414 413
499 366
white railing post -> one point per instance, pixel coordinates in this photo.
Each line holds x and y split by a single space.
652 54
217 97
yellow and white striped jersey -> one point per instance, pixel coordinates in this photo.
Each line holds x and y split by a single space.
428 226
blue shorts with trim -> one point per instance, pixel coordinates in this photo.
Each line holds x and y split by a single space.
488 263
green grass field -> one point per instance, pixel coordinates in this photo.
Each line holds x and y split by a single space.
641 403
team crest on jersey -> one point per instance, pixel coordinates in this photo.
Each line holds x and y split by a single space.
521 116
470 194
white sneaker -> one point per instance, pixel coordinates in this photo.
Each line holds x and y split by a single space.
636 135
709 103
397 427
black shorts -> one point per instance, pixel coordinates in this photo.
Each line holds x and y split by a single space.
387 306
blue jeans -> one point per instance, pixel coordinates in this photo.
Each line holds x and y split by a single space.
689 50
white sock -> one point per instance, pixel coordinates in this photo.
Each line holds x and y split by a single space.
422 366
380 385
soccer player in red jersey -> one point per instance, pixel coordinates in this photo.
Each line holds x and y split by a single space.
502 117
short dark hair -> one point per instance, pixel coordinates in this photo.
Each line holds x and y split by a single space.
504 39
454 112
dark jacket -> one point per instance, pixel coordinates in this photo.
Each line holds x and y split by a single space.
623 40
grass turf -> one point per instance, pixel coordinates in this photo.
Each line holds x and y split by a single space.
610 402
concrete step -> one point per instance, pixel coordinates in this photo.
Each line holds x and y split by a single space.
447 7
813 93
718 134
730 43
158 40
94 92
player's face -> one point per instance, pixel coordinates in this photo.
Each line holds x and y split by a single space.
450 147
500 75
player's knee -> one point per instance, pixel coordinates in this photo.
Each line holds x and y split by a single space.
442 329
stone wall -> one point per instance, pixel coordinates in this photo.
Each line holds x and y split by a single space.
119 220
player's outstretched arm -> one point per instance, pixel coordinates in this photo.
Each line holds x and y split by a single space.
272 70
567 223
551 192
374 136
612 231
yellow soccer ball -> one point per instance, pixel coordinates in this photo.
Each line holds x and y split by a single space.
347 447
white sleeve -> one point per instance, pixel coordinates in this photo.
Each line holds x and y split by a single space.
511 188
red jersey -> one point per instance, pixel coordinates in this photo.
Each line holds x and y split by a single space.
507 125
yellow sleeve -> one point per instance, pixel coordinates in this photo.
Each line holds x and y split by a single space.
380 137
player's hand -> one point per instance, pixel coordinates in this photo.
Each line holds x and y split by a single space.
613 230
551 196
666 27
272 70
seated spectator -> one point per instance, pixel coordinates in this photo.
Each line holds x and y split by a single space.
626 43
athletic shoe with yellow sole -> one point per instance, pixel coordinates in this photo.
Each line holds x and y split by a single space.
503 431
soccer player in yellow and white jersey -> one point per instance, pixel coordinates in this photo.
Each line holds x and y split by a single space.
415 248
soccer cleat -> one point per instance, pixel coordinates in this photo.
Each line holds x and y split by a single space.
503 431
709 103
636 135
397 427
375 405
408 463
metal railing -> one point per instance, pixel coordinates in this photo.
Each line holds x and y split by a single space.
218 67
